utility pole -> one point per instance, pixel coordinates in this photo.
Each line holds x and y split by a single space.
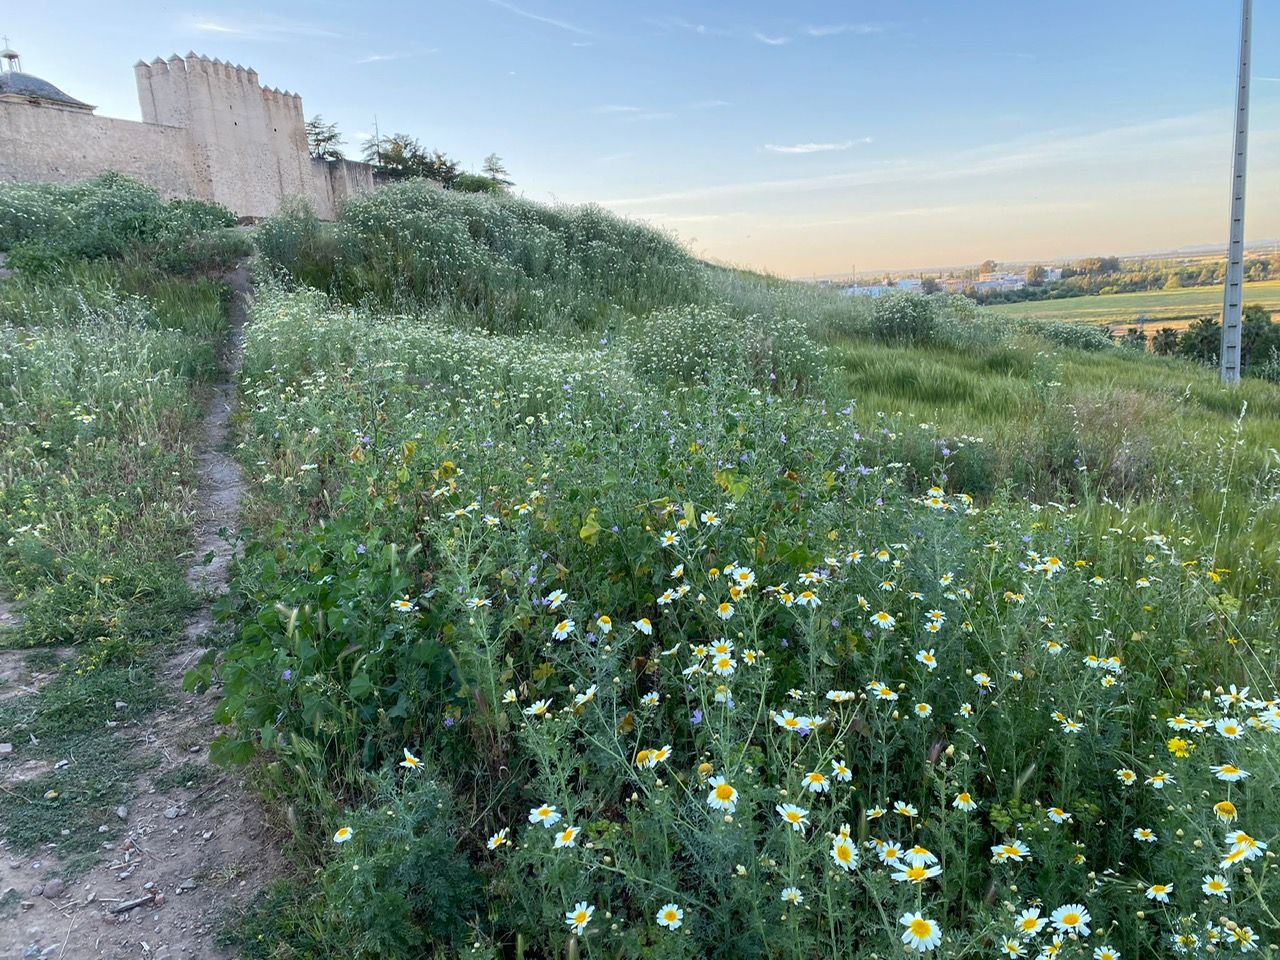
1233 295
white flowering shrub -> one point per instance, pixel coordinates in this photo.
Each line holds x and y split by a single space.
709 672
703 345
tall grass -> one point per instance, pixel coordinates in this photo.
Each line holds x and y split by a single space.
511 265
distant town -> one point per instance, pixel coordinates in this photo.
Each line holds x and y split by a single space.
972 282
991 282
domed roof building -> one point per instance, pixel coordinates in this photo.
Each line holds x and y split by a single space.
19 87
23 87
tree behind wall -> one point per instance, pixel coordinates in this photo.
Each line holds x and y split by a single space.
401 157
323 139
495 171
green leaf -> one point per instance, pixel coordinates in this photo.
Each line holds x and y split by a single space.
591 528
360 686
732 483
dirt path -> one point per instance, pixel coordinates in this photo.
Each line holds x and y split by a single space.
194 847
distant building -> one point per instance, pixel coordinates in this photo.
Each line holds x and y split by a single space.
873 290
209 131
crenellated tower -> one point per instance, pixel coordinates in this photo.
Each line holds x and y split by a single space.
249 142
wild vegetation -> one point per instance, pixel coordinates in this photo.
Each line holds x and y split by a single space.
103 356
598 602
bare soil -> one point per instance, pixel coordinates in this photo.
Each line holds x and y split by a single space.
195 847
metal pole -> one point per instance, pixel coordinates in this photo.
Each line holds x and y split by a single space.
1233 295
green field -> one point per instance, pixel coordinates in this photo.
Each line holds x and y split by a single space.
1165 307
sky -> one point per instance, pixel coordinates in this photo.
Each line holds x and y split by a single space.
802 138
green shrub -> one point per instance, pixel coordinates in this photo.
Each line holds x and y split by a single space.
510 265
902 318
701 345
46 226
1089 337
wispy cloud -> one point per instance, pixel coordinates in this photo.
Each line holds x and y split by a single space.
673 24
835 29
1272 79
627 112
561 24
1049 149
709 104
268 28
945 211
668 218
384 57
771 41
812 147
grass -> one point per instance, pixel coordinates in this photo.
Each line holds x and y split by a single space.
61 811
1171 308
503 547
102 367
184 775
584 588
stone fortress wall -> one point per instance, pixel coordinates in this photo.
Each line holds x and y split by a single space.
209 130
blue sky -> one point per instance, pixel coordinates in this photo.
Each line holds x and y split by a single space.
800 137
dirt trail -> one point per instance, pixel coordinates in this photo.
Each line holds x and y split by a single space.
191 853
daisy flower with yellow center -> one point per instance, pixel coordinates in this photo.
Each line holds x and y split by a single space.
1029 922
722 796
1013 850
724 666
816 782
788 720
1215 885
1071 918
844 853
670 916
791 814
410 762
921 933
913 874
579 916
545 815
1229 772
